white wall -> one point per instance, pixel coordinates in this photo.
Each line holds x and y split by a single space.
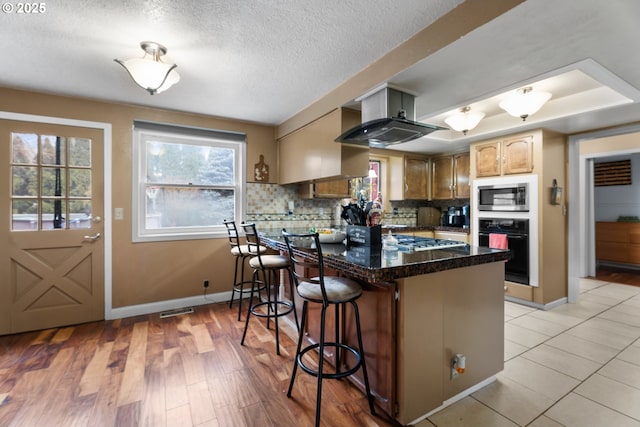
610 202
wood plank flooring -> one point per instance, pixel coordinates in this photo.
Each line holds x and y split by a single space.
187 370
625 276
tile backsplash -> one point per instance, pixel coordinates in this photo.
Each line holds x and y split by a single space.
268 207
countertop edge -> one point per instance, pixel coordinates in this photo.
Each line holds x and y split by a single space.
389 274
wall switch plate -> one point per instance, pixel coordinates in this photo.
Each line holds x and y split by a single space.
118 214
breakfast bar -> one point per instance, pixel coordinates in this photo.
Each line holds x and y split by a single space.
420 310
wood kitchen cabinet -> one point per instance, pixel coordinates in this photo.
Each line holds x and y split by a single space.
311 153
337 189
451 235
542 155
416 179
506 157
450 177
408 175
618 242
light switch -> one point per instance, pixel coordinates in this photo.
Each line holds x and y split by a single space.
119 214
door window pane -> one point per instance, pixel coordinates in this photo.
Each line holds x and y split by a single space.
79 213
24 181
53 150
24 148
24 214
54 182
54 214
80 152
79 182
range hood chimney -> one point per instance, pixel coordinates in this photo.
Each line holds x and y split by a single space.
388 117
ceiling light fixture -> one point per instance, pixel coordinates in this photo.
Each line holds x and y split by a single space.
524 102
149 72
464 120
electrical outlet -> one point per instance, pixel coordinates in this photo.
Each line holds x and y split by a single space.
205 284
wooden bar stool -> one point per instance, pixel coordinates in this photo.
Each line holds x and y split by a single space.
241 252
314 287
269 265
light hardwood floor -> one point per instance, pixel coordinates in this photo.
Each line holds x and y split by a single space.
187 370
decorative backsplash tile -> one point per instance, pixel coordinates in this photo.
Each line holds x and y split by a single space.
268 207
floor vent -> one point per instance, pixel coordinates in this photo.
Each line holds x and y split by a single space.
176 312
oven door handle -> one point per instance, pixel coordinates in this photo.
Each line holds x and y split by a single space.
509 236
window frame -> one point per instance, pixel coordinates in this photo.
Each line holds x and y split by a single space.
142 131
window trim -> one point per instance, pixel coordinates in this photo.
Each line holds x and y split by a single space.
199 136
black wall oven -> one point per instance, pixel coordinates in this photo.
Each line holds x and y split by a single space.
517 231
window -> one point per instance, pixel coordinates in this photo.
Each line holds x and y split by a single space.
186 181
50 182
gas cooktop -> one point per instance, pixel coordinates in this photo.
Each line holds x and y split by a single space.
413 243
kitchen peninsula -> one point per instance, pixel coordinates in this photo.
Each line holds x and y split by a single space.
418 310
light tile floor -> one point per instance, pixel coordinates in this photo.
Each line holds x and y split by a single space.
575 365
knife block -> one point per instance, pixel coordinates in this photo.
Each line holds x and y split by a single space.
359 235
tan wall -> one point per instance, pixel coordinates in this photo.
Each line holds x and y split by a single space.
153 271
553 222
614 143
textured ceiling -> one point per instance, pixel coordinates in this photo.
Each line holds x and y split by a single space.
266 60
259 60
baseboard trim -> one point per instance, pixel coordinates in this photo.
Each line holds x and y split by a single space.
456 398
547 306
159 306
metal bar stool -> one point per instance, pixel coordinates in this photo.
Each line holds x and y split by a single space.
241 252
269 266
314 287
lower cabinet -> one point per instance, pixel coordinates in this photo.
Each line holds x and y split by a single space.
618 242
451 235
516 290
424 234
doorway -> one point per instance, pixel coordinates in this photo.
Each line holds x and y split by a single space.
583 149
55 224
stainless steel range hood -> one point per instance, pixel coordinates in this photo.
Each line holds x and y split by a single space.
388 117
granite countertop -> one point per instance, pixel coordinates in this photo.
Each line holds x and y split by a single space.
377 265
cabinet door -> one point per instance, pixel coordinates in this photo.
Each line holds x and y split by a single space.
518 155
339 188
488 159
416 179
462 189
442 187
451 235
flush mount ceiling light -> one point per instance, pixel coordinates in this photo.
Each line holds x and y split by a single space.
464 120
149 72
524 102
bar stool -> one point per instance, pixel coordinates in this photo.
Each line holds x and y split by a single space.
314 287
241 253
269 266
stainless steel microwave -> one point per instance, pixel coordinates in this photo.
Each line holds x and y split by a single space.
504 197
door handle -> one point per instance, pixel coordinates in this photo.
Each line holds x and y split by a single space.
92 238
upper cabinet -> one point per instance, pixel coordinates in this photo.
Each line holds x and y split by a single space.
506 157
337 189
311 153
408 176
416 179
450 177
